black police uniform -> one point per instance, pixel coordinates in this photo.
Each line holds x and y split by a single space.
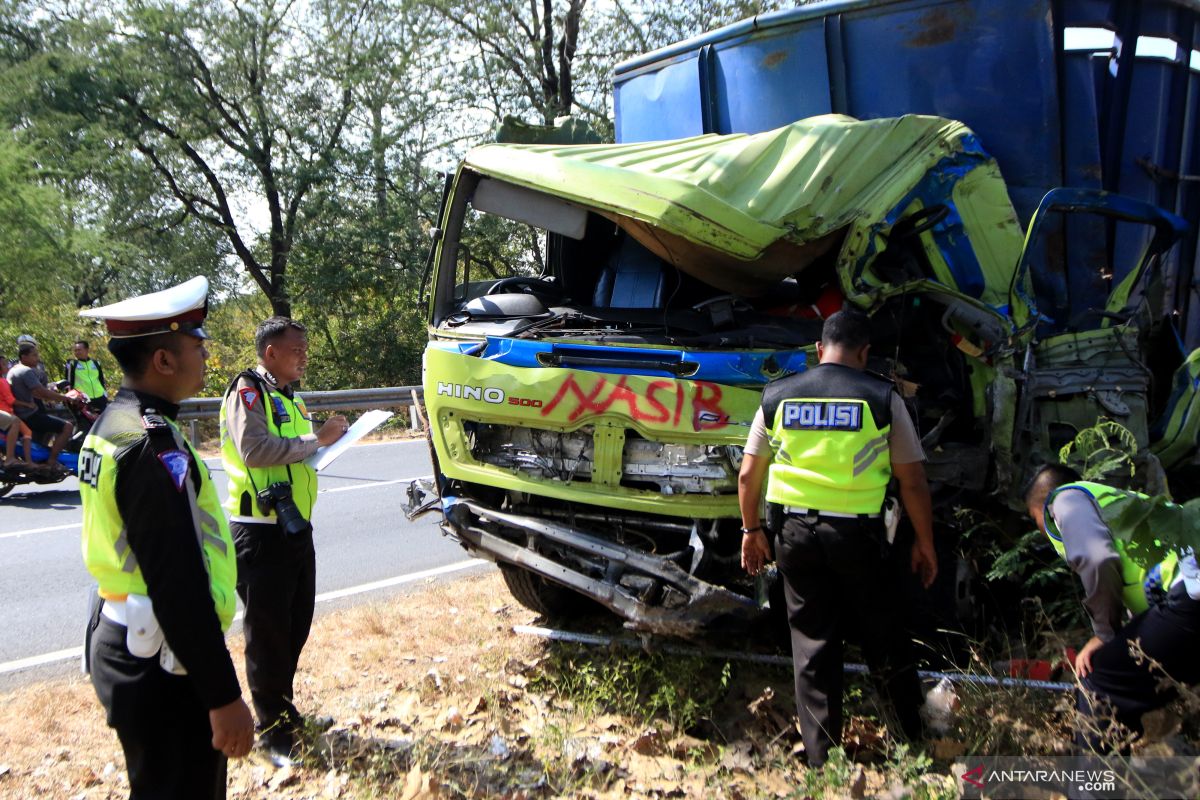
837 580
162 719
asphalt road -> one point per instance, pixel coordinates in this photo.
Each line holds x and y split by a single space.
365 547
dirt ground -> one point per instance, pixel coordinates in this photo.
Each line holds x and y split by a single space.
433 695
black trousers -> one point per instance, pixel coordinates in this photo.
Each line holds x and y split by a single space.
277 577
1120 688
836 580
161 722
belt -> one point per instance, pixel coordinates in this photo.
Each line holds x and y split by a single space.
805 512
115 611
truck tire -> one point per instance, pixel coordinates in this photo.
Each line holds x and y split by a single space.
542 596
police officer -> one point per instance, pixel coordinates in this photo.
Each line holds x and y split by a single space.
85 374
158 545
266 434
1164 603
827 441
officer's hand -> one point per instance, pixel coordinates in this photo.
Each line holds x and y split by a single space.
754 552
1083 660
924 561
232 729
332 430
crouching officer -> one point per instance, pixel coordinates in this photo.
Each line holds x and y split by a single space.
827 441
266 434
1164 603
157 543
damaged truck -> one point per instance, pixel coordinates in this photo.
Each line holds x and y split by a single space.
603 317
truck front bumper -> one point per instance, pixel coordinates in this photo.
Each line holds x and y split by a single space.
653 593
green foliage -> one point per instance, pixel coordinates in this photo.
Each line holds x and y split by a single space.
647 686
1155 526
1151 528
1027 560
1105 450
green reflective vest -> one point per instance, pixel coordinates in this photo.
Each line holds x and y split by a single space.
287 418
829 429
1134 578
106 551
87 378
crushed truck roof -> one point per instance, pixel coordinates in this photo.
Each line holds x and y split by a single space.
743 211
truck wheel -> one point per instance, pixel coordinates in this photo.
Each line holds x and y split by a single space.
542 596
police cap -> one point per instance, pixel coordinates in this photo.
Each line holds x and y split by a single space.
181 308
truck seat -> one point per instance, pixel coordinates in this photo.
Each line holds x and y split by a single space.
633 278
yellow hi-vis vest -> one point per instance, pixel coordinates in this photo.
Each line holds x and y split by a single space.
287 418
829 437
106 550
1135 579
87 378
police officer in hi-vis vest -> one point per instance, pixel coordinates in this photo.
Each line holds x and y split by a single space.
827 441
85 374
266 434
158 545
1159 608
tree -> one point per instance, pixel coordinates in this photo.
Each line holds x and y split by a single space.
523 55
234 106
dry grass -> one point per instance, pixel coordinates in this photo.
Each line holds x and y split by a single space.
434 696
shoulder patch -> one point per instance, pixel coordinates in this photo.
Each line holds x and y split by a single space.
153 421
249 396
177 464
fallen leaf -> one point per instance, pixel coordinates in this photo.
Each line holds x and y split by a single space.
689 746
648 742
450 720
418 786
766 697
655 772
737 757
608 722
947 749
284 776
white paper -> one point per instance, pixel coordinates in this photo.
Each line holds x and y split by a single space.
361 427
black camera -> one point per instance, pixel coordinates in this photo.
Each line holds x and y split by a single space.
278 496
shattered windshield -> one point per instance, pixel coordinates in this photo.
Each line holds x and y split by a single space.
579 274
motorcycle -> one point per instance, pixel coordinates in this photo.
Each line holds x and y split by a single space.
84 413
14 475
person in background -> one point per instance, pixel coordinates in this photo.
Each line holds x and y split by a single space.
39 367
12 426
27 387
85 374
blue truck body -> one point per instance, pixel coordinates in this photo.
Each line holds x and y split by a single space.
1080 93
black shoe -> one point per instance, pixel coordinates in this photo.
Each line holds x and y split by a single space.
278 746
279 757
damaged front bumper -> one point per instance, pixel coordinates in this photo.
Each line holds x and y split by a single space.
653 593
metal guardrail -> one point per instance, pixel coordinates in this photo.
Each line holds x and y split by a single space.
398 397
344 400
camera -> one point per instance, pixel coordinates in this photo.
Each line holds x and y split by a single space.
278 496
